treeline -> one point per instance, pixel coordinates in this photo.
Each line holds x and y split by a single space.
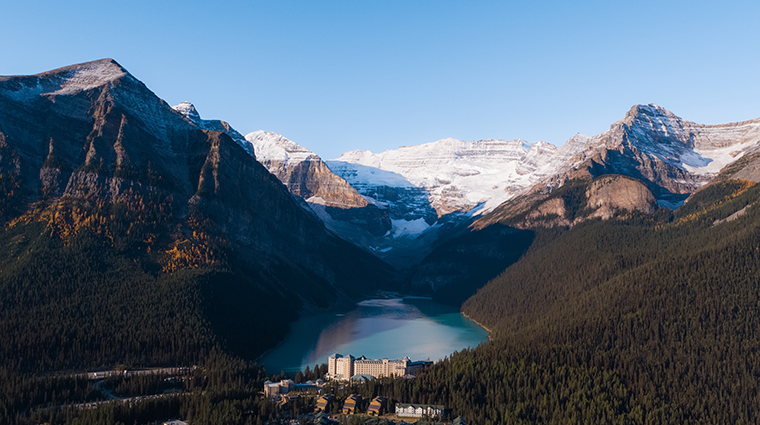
221 390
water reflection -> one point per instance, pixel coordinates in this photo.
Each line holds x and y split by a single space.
377 328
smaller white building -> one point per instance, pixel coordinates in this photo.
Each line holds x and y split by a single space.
273 389
419 410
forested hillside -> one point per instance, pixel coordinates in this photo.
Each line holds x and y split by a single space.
636 319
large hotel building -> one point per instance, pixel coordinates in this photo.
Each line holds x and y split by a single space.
343 368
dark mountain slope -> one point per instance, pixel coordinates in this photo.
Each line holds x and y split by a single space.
132 235
457 268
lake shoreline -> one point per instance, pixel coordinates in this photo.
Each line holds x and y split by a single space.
478 323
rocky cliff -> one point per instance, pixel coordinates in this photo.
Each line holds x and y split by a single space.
333 199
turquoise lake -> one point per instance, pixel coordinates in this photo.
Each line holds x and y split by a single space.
391 328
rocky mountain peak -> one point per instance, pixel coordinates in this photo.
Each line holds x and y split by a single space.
89 75
188 110
578 140
63 81
650 111
191 115
541 147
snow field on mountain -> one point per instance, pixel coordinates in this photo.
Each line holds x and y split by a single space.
458 175
269 146
408 227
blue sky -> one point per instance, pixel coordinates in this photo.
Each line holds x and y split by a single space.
343 75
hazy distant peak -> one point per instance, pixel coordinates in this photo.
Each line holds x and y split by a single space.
540 146
578 137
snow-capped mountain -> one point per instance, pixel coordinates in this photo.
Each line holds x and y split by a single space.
270 146
94 132
670 156
332 198
452 175
673 156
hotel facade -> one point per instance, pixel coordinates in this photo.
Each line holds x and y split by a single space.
344 367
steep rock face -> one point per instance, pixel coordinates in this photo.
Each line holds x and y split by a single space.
750 170
68 128
302 171
552 213
578 201
307 176
611 193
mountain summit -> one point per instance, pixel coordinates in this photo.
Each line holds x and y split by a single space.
68 80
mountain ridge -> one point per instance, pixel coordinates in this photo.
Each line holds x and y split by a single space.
108 175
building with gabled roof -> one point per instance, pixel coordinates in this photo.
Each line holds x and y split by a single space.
377 406
351 403
287 399
324 403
